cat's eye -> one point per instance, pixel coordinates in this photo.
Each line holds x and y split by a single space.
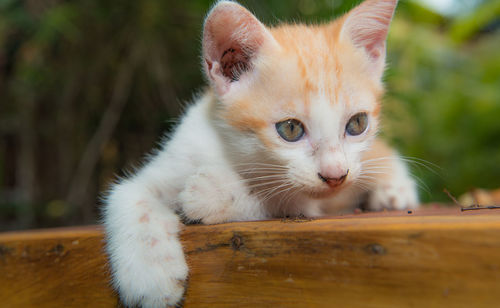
357 124
291 130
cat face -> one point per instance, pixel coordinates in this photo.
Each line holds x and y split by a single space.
305 97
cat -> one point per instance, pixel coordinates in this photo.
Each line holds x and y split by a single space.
287 127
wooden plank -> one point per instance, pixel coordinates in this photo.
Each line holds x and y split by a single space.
423 259
54 268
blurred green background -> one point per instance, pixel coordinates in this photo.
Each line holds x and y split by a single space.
87 87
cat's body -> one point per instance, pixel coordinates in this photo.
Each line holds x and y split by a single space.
288 128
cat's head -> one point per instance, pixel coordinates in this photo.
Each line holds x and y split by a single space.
306 98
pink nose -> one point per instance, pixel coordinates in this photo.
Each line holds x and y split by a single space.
333 182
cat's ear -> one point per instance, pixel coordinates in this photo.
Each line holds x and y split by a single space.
366 26
232 38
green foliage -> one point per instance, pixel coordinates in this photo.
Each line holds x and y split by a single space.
443 105
463 28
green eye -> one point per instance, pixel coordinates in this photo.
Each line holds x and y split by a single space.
357 124
291 130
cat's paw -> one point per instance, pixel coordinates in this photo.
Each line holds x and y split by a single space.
155 281
398 194
208 197
145 253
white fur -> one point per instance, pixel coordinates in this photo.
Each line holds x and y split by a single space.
398 193
193 175
213 172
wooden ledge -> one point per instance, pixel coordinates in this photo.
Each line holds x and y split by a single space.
441 258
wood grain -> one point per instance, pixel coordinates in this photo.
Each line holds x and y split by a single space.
424 259
54 268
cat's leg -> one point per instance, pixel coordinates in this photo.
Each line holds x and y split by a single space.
146 256
392 187
217 194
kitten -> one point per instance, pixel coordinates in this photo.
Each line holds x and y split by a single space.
288 127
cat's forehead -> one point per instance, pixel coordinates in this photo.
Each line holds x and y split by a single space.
312 62
305 39
311 48
312 76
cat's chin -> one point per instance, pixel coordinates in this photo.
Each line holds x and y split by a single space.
323 193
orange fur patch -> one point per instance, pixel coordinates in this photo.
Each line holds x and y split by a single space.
311 61
144 218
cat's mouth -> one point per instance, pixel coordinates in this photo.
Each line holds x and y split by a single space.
326 191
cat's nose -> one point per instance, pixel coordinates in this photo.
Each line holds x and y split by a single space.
333 182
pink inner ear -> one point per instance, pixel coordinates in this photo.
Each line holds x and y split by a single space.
231 37
372 41
367 25
234 62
